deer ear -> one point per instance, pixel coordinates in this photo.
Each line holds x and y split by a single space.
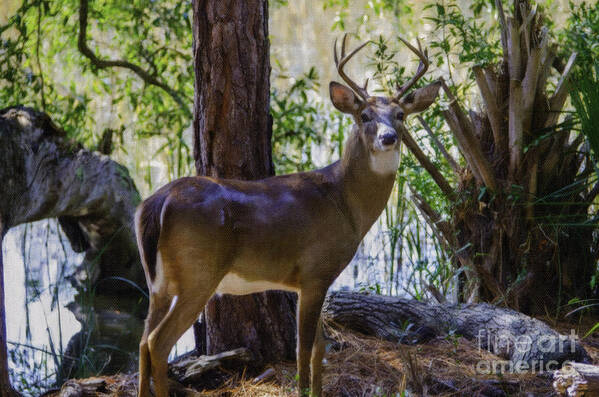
420 99
344 98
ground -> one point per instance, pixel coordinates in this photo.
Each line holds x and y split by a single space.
364 366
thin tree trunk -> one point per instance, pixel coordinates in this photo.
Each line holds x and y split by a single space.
6 389
232 139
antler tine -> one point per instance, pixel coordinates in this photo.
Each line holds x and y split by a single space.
340 63
343 45
422 67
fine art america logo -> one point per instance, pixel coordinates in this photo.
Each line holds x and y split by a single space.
523 352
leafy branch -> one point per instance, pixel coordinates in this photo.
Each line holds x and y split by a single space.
147 77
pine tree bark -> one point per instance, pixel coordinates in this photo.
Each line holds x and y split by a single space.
232 139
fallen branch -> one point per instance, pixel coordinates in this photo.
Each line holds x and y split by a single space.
191 368
82 387
577 379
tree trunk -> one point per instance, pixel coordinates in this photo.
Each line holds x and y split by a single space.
6 389
232 139
509 334
45 175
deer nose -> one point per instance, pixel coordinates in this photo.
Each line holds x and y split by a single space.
389 138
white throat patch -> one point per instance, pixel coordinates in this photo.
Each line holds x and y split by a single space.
384 162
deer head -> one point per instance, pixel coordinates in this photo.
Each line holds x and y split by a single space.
379 119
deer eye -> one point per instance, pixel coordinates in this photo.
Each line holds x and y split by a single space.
365 117
399 116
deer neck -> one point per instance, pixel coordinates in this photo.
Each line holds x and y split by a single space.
366 182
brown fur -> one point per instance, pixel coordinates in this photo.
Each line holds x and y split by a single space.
148 229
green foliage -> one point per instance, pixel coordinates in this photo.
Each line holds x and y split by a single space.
472 40
387 71
372 10
582 34
307 132
396 7
41 66
341 13
295 114
585 98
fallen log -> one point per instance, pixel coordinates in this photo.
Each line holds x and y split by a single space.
527 343
191 368
577 379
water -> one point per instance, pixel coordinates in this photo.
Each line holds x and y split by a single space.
37 258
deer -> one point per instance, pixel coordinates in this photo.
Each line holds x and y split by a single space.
199 236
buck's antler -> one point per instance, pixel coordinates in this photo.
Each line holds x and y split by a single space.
340 63
422 68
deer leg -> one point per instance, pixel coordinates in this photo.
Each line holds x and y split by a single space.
318 350
161 340
310 303
159 305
